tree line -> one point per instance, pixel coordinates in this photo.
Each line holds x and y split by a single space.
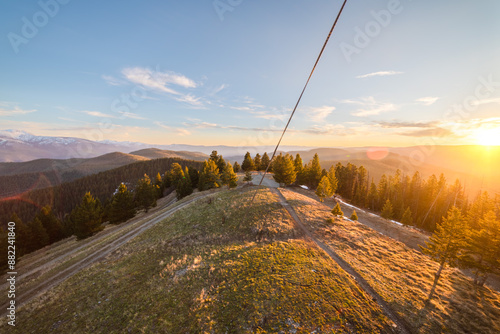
88 215
412 200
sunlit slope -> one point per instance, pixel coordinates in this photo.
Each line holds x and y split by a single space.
215 267
403 276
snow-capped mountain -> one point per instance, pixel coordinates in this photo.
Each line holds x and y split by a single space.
18 145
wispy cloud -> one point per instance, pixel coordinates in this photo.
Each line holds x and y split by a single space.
98 114
161 82
487 101
432 132
378 74
112 80
369 106
319 114
398 124
429 100
178 131
268 115
126 114
13 111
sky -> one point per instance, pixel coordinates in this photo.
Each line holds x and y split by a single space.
228 72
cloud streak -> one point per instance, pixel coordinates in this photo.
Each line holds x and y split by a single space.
427 101
370 107
378 74
15 111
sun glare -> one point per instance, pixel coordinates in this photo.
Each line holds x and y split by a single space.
488 137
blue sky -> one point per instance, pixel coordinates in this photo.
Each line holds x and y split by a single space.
395 73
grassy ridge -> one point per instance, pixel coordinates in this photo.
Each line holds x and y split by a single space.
403 276
215 266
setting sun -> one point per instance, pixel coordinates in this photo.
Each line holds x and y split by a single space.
488 137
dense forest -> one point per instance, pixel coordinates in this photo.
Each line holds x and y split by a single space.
407 198
81 207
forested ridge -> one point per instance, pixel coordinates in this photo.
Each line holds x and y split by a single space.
64 197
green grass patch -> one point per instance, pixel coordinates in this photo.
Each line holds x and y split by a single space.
215 266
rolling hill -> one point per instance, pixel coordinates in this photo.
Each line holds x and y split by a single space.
200 266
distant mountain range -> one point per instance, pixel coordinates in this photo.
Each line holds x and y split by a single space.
70 158
18 146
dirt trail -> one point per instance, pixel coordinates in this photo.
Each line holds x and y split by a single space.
401 324
100 252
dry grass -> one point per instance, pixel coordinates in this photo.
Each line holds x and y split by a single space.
404 276
214 267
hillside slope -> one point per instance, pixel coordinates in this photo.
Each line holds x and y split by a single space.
155 153
208 268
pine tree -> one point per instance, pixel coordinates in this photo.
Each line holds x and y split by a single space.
236 167
387 211
354 215
264 161
51 224
337 211
248 164
159 185
483 248
39 235
184 186
145 192
122 205
284 170
209 176
447 242
407 217
87 217
248 176
314 172
324 189
333 179
228 177
177 174
194 176
23 236
257 161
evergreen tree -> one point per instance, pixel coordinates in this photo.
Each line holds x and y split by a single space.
214 156
248 164
177 174
23 236
407 217
40 238
51 224
284 170
257 161
228 176
159 185
209 176
447 242
372 199
236 167
264 161
194 176
314 172
324 189
354 215
298 164
483 248
387 211
87 217
184 186
145 192
337 211
248 176
333 179
122 205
